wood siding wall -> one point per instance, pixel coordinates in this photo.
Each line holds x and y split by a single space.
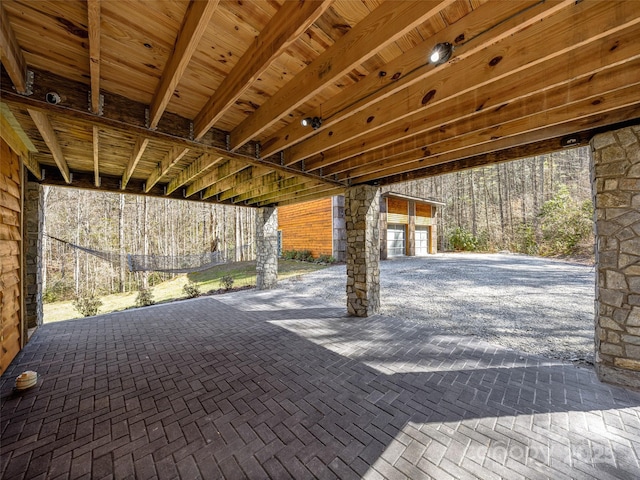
10 255
423 210
307 226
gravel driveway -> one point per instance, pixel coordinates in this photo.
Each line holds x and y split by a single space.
535 305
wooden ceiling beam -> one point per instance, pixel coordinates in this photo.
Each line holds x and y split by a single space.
11 55
312 195
127 117
468 36
195 24
279 185
199 166
173 156
225 169
308 192
93 12
242 176
286 26
499 156
598 92
250 186
12 132
416 159
384 25
50 138
136 154
587 62
477 71
96 155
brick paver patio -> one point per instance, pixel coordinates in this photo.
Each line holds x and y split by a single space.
262 385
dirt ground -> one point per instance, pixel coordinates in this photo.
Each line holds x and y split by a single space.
535 305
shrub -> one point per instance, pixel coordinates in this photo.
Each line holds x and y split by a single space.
461 239
565 223
191 289
144 298
300 255
226 282
87 304
324 258
525 239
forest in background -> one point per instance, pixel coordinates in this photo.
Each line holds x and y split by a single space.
538 206
136 225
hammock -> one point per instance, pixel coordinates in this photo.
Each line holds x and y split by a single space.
162 263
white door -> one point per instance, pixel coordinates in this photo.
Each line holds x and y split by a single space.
422 240
395 240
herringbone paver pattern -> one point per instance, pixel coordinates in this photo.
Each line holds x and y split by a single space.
262 385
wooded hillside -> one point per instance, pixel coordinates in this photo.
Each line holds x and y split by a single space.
540 205
128 224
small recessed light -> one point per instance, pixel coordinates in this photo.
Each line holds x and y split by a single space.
441 53
315 122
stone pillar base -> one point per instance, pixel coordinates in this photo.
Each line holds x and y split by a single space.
618 376
33 218
362 216
266 248
615 177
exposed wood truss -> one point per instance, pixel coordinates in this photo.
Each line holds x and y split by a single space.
203 99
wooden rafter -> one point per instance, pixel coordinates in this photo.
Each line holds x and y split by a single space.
383 26
189 173
504 90
173 156
225 169
243 175
11 54
491 65
12 132
120 117
481 141
93 10
50 138
136 154
96 155
412 66
291 21
257 181
195 24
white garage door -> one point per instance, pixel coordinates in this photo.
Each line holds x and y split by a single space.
422 240
395 240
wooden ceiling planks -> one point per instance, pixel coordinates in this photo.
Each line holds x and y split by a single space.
521 72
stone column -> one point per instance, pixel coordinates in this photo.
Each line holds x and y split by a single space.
33 222
411 230
615 176
266 248
362 215
383 229
339 250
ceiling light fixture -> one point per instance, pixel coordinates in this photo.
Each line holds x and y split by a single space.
315 122
441 53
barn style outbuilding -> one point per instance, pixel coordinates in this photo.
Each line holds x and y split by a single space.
407 227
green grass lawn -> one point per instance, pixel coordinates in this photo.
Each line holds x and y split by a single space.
243 273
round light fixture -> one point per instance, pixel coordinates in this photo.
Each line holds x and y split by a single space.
315 122
441 53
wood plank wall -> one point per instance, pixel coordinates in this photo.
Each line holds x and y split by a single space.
10 255
307 226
